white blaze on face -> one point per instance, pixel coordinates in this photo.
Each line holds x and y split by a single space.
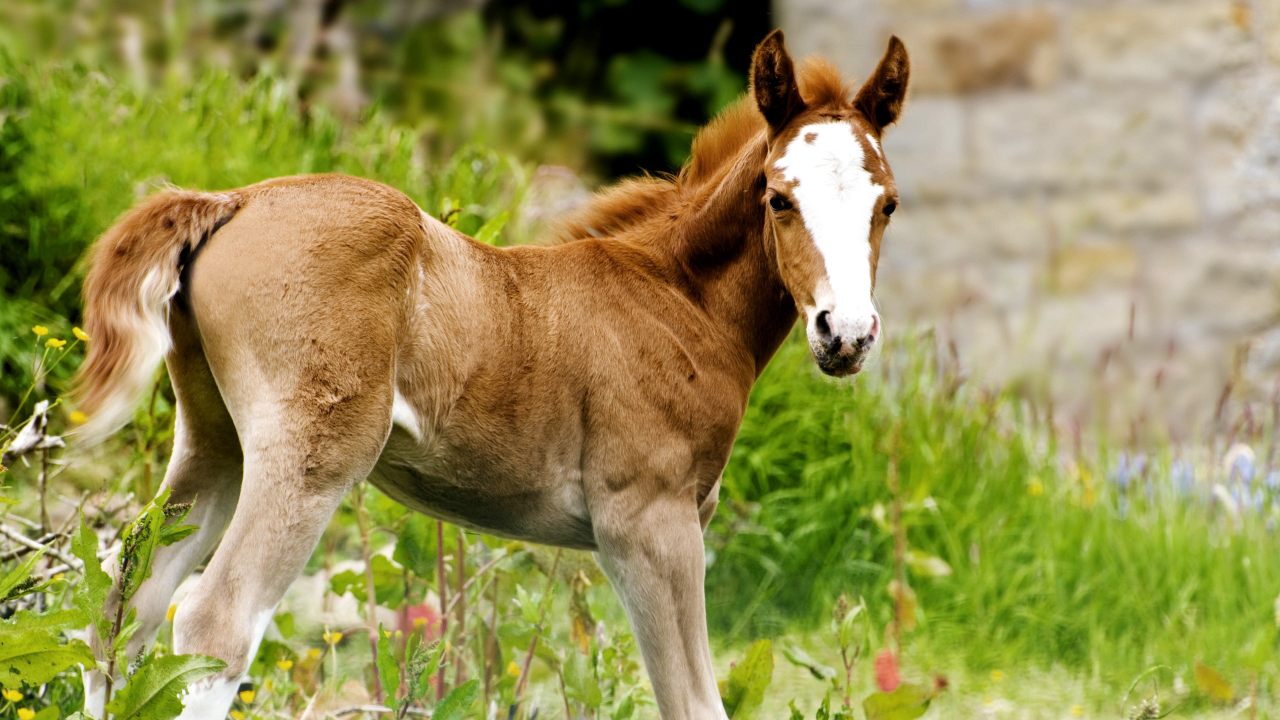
836 196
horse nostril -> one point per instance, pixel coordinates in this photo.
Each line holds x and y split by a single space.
822 324
875 328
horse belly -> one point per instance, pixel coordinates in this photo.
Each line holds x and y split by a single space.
548 509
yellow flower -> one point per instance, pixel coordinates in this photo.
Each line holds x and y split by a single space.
173 610
268 684
78 417
314 653
11 695
59 576
81 335
1035 487
285 665
387 633
1077 710
419 622
237 715
513 669
40 330
54 343
26 713
333 638
247 696
997 676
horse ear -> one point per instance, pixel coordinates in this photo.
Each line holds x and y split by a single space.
881 97
773 82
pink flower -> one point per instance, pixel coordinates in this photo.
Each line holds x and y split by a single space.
424 616
887 671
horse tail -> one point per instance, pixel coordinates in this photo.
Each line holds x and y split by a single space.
134 273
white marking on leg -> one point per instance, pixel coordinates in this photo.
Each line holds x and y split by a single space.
95 692
209 700
836 196
402 414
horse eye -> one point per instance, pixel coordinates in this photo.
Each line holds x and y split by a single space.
779 203
890 207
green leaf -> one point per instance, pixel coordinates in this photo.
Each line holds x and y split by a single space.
388 582
36 656
388 669
457 702
926 565
18 576
416 545
528 606
284 624
1213 683
53 712
625 709
744 691
800 658
907 702
55 621
795 712
91 595
153 693
580 680
489 231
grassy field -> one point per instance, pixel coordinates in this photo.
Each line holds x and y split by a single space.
1039 577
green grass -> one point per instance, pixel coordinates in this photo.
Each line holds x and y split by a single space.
1059 579
78 148
1047 571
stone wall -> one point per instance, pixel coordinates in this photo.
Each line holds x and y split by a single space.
1091 190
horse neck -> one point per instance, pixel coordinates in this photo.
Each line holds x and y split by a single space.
729 263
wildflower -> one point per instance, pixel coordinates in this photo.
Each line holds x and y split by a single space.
997 676
1183 476
285 665
1120 474
81 335
59 576
246 696
513 669
1239 463
269 684
11 695
387 633
1272 480
1077 710
332 638
40 330
26 713
419 622
314 653
78 417
237 715
173 610
886 669
54 343
1035 487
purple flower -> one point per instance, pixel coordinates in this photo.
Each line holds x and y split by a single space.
1184 477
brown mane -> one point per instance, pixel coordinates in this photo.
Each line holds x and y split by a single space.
634 200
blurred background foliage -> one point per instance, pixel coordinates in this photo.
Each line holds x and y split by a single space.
103 102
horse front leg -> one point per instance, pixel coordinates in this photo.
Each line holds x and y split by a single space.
651 551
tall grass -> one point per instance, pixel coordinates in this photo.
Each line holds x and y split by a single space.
1054 560
78 148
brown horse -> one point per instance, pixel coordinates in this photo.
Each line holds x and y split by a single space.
321 330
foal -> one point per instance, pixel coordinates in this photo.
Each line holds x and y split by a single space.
320 330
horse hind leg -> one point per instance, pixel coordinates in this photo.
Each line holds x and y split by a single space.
205 467
294 480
